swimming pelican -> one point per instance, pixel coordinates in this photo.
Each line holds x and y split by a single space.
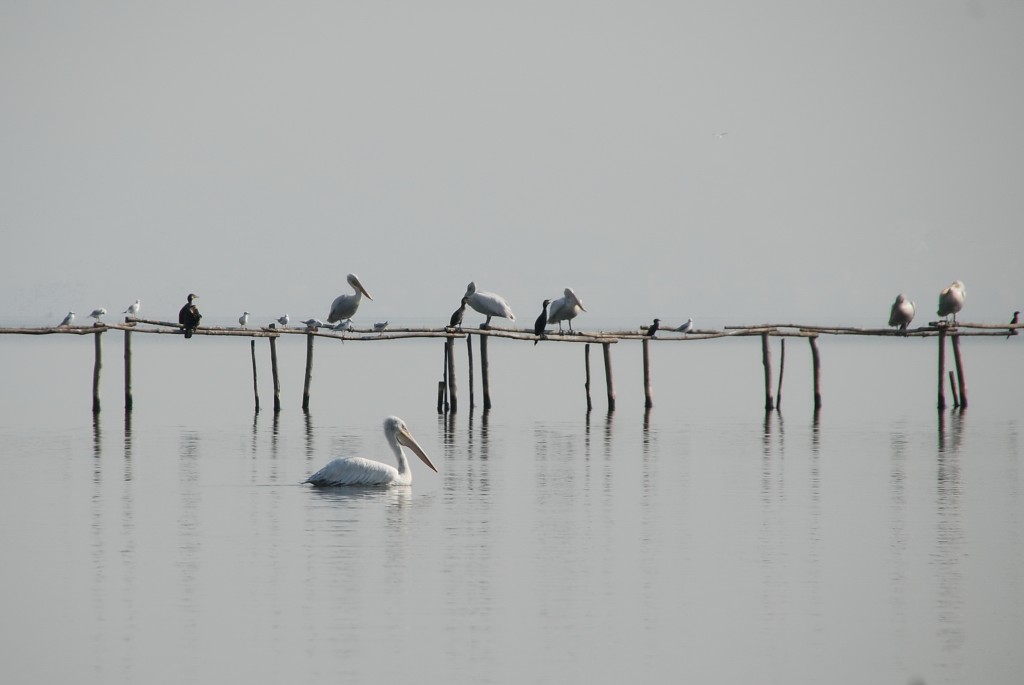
283 320
686 327
67 320
189 316
243 320
313 323
902 312
565 309
380 326
542 321
1013 321
653 328
951 300
488 304
360 471
345 306
133 309
97 313
456 320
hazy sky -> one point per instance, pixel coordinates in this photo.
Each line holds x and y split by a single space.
256 152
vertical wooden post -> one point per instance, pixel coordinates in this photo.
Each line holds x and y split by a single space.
255 387
942 369
648 403
469 351
782 370
449 345
952 390
444 379
273 370
485 373
586 386
608 375
816 365
96 366
960 379
766 361
309 371
440 397
128 402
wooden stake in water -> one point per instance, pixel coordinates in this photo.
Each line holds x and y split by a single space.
816 366
960 379
128 371
444 379
485 373
782 370
96 366
942 369
449 345
952 390
469 351
309 372
273 370
608 375
586 386
648 402
766 361
255 387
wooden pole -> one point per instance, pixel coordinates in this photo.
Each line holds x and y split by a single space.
952 390
766 361
485 372
96 366
440 397
586 386
309 372
469 351
277 379
444 378
942 369
255 387
782 370
648 402
816 365
960 379
608 375
449 345
128 371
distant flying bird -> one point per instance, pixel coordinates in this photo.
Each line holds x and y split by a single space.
133 309
342 325
283 320
345 306
951 300
565 309
360 471
97 313
380 326
542 321
1013 331
488 304
313 323
243 320
456 320
686 327
653 328
902 312
189 316
67 320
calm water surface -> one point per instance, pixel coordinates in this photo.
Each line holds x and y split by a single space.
880 542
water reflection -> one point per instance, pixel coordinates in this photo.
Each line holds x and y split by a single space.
949 539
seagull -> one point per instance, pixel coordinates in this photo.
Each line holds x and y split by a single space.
456 320
902 312
342 325
1013 321
67 320
313 323
243 320
189 316
653 328
345 306
565 309
686 327
360 471
283 320
97 313
488 304
542 321
380 325
951 300
133 309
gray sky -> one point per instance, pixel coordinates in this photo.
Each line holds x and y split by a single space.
257 152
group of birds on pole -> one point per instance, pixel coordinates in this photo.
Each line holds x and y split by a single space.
951 301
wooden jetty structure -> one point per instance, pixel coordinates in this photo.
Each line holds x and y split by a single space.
447 401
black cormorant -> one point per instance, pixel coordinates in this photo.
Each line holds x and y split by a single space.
456 320
1014 320
653 328
189 316
542 321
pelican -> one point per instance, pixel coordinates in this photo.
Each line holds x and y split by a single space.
542 321
243 320
189 316
133 309
345 306
488 304
902 312
686 327
67 319
313 323
456 320
951 300
360 471
565 309
653 328
1013 322
97 313
380 326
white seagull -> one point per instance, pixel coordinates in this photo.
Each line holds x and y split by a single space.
902 312
313 323
283 320
565 309
67 320
951 300
133 309
342 325
243 320
488 304
686 327
360 471
97 313
345 306
380 326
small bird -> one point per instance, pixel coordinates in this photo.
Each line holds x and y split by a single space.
380 326
342 325
565 309
686 327
902 312
542 321
283 320
951 300
456 320
313 323
653 328
133 309
243 320
189 316
488 304
97 313
67 320
1013 321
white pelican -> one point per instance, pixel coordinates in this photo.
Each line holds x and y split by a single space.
67 319
686 327
97 313
951 300
488 304
243 320
345 306
189 316
542 321
360 471
565 309
133 309
902 312
380 326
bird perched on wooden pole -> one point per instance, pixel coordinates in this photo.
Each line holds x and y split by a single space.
189 316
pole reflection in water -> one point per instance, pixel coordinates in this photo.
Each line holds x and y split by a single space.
949 541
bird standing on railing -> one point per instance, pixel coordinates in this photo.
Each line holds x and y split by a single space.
902 312
283 320
653 328
565 309
243 320
98 313
686 327
1013 321
67 320
542 321
189 316
345 306
456 320
951 299
488 304
133 309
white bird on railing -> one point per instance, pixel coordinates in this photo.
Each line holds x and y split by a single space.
380 326
951 299
565 309
902 312
342 325
67 319
488 304
313 323
243 320
283 320
345 306
133 309
360 471
686 327
97 313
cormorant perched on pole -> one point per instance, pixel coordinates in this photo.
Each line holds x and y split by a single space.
653 328
189 316
456 320
1014 320
542 321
